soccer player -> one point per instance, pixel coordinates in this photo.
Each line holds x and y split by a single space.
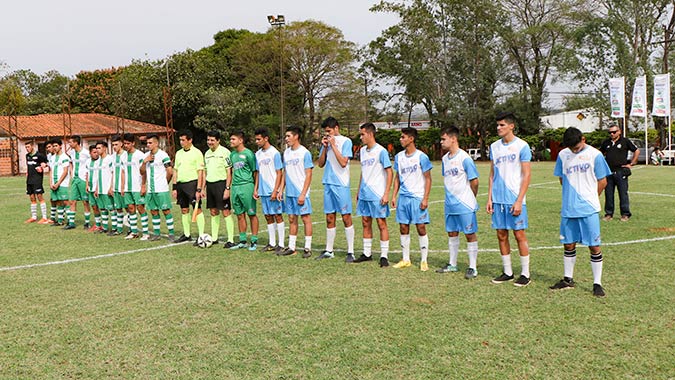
270 188
133 180
80 158
413 179
157 172
92 183
244 181
372 199
298 172
336 150
35 168
103 190
59 180
583 174
188 183
218 169
460 178
118 185
509 179
49 148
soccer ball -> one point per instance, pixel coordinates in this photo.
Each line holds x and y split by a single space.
204 241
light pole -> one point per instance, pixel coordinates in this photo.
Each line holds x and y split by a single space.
279 21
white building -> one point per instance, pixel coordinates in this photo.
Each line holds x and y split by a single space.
584 120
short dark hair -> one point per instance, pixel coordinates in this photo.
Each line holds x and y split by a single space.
57 142
213 133
129 137
294 130
105 144
240 134
116 138
410 131
507 116
450 131
92 146
330 122
262 131
369 128
572 137
187 133
152 136
76 138
31 142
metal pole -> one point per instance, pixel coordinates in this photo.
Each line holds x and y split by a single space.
281 80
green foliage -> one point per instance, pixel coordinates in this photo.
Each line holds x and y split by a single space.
12 100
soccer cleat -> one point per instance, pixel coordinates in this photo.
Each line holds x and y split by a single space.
144 238
131 236
350 258
86 226
402 264
607 218
502 278
563 284
30 220
215 242
56 224
240 245
470 273
182 239
51 221
325 255
278 249
229 245
253 246
195 244
269 248
154 238
43 221
424 266
69 227
288 252
306 253
170 238
522 281
598 291
624 218
384 262
363 258
93 229
447 269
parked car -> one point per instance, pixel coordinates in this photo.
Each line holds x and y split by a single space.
474 153
644 153
668 155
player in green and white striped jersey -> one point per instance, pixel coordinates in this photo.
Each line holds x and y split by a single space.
103 191
92 187
59 180
118 184
157 171
78 185
132 194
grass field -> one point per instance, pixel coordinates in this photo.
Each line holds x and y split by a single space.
177 312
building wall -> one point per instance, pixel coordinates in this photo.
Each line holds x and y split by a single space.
569 119
5 157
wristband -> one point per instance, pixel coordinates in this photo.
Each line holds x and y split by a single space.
199 190
227 188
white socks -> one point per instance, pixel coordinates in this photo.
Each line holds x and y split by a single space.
453 247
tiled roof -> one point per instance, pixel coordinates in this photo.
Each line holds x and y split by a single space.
83 124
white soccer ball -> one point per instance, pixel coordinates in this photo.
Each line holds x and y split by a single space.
204 241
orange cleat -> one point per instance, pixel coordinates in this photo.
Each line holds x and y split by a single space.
43 221
30 220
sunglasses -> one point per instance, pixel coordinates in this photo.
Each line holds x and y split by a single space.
613 132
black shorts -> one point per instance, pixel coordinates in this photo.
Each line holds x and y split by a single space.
185 193
214 196
34 188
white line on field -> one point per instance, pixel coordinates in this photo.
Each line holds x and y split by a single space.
68 261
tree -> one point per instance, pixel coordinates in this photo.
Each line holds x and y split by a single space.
12 100
43 93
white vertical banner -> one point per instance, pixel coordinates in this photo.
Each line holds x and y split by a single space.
661 105
617 95
639 104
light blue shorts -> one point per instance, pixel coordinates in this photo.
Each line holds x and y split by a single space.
293 208
337 199
465 223
581 230
502 219
372 209
271 207
408 211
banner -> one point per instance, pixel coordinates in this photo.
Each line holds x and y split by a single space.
661 106
639 105
617 91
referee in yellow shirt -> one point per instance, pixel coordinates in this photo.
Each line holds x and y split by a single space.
188 183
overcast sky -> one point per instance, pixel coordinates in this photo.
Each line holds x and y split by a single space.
74 35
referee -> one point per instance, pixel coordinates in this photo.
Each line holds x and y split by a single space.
218 170
188 182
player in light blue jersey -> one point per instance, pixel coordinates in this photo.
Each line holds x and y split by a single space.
460 179
298 167
372 199
413 179
336 150
509 179
583 174
270 189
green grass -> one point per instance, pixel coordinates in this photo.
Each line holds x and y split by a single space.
184 313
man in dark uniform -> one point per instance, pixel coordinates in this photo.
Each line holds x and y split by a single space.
36 162
615 149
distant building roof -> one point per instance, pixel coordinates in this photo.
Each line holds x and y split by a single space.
83 124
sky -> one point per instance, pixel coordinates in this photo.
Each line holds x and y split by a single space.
74 35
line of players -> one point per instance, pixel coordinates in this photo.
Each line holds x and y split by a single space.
131 180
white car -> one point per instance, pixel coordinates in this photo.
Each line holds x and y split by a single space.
474 153
668 155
